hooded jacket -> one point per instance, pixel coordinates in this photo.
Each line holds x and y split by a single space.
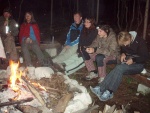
137 49
74 34
106 46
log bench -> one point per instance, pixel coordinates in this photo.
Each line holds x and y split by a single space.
138 77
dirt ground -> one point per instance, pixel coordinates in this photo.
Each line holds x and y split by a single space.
125 95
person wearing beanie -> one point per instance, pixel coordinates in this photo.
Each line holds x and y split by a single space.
8 32
103 49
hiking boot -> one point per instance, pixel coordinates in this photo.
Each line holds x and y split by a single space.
106 96
96 91
91 76
100 79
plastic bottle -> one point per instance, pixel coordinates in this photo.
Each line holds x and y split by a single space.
20 57
53 39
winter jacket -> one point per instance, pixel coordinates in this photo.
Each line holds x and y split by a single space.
26 29
106 46
73 35
137 49
12 27
87 38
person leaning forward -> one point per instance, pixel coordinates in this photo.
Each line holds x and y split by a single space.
134 54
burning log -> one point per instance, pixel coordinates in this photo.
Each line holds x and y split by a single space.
28 109
16 102
34 91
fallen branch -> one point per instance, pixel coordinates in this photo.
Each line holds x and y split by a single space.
28 109
34 91
16 102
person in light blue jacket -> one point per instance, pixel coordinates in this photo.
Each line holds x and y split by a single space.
72 40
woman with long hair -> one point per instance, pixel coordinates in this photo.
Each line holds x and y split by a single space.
88 35
29 38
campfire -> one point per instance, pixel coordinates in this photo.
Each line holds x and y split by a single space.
57 93
20 91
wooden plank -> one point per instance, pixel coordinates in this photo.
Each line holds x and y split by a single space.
141 79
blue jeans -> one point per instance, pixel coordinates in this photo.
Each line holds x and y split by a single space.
114 78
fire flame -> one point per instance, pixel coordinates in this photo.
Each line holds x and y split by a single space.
39 86
14 75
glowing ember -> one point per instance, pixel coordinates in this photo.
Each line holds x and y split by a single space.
15 75
39 86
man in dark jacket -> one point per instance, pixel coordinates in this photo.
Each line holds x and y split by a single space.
8 31
134 54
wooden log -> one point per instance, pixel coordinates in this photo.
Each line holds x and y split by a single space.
52 89
63 102
111 109
16 102
119 111
28 109
136 112
34 91
141 79
91 109
106 108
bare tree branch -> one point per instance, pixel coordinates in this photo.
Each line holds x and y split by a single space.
133 12
20 10
118 19
140 18
126 8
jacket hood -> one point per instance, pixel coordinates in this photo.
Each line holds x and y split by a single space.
134 34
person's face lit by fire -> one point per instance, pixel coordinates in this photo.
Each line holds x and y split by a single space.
6 15
102 33
87 23
77 18
28 17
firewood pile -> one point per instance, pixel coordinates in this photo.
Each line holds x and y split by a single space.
54 94
55 87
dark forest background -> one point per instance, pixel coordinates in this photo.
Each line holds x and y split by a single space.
120 14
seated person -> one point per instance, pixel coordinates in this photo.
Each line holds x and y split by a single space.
8 31
103 49
29 37
72 41
134 54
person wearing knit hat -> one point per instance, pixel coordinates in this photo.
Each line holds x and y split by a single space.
8 32
7 10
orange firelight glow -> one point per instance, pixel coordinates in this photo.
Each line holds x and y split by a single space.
39 86
15 75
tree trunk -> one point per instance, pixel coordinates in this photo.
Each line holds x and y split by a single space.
146 19
51 14
97 12
77 5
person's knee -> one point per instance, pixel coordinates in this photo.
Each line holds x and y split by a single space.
120 67
99 58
